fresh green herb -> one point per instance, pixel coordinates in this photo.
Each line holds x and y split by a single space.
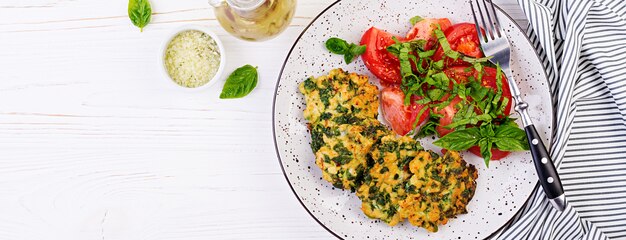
416 19
139 12
475 60
354 51
240 83
480 119
485 145
511 138
459 140
430 127
337 45
348 50
445 45
506 137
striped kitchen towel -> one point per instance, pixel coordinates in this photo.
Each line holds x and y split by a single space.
583 46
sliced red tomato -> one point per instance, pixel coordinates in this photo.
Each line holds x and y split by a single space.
399 116
424 30
496 154
462 38
377 59
459 74
447 116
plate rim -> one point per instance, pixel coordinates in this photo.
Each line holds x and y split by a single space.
280 75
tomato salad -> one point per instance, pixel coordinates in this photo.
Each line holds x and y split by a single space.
438 82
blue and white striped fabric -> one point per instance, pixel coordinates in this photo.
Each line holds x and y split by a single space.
583 46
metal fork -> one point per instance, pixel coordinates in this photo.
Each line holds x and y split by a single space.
495 43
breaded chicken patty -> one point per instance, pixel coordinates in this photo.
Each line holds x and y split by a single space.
341 152
384 185
439 189
392 175
407 182
339 98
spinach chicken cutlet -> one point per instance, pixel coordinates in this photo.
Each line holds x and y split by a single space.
393 176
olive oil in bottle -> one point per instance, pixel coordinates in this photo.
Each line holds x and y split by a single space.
254 20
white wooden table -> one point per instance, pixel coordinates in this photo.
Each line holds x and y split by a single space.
93 145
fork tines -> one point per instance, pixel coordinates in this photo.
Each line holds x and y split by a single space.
490 23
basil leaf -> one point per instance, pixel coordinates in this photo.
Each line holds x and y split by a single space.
475 60
445 45
471 120
426 54
511 138
509 144
416 19
337 45
459 140
348 57
429 128
139 12
436 94
423 101
487 130
419 116
499 78
485 145
438 65
510 131
348 50
240 83
478 92
357 50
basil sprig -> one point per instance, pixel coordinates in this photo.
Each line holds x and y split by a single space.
342 47
240 83
506 137
139 12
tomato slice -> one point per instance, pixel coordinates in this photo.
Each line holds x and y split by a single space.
462 38
399 116
424 30
459 74
496 154
447 115
377 59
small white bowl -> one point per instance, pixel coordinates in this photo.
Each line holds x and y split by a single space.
220 47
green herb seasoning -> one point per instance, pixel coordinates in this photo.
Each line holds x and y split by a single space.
192 58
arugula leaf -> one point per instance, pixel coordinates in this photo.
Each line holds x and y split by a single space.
459 140
341 47
416 19
240 83
140 13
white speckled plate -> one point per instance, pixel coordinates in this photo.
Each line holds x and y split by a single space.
502 189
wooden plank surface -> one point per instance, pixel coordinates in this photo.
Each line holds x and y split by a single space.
94 145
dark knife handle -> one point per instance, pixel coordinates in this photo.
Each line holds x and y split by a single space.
548 176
